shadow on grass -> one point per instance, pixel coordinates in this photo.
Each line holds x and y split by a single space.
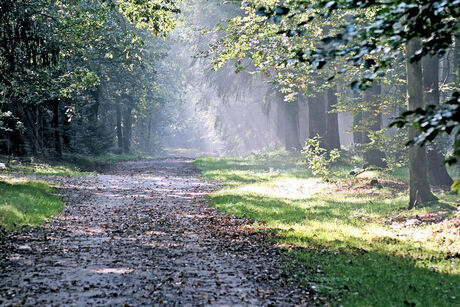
271 209
369 278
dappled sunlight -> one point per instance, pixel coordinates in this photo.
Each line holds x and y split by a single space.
307 212
113 271
86 230
447 231
154 233
288 188
192 216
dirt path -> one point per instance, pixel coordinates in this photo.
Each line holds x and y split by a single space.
142 234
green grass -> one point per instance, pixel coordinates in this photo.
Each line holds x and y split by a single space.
26 202
356 245
68 165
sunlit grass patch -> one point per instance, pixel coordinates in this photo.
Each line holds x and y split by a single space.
359 245
27 202
286 187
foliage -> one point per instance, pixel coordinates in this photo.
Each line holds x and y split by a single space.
392 144
26 202
392 25
358 246
432 121
456 187
67 66
373 44
154 15
319 160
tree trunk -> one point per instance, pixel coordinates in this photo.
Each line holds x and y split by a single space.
95 106
374 118
332 137
56 128
292 125
30 127
280 122
419 188
149 134
66 131
357 135
317 116
127 129
119 128
287 121
437 172
457 60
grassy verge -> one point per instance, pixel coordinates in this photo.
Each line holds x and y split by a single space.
68 165
26 202
358 245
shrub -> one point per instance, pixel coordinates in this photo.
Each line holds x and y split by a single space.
318 159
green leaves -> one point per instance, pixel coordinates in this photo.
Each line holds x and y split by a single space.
318 159
432 121
394 23
154 15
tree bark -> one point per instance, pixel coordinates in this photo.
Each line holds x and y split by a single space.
56 128
457 60
127 129
317 116
419 188
287 119
66 131
292 125
280 122
119 128
332 137
437 172
95 106
149 134
374 118
31 132
357 135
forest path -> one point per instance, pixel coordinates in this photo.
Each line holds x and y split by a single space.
141 234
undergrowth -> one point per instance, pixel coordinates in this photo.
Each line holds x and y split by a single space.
67 165
356 244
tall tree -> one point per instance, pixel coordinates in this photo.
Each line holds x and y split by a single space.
292 125
332 137
437 172
317 116
373 119
419 187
